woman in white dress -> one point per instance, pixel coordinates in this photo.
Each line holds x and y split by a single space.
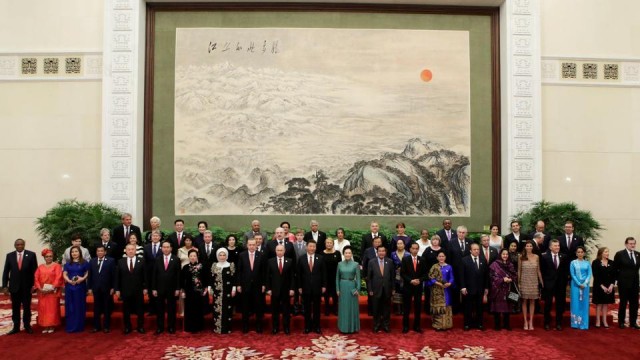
340 242
495 240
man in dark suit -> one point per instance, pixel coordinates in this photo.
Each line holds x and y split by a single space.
131 287
369 254
207 250
540 228
414 272
289 251
316 235
250 284
280 286
152 251
458 249
177 237
489 253
516 236
554 266
474 286
447 234
19 271
121 233
261 245
380 276
312 283
569 242
102 277
110 247
627 265
165 286
367 239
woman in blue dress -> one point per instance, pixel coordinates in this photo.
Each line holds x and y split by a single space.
580 278
396 257
348 286
75 290
441 281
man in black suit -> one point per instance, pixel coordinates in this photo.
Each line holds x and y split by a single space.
554 266
280 286
540 228
367 239
312 283
289 251
414 272
516 236
261 245
458 249
19 271
207 250
489 253
474 286
316 235
165 286
569 242
627 265
131 287
380 276
177 237
369 254
447 234
250 284
152 251
110 247
121 233
102 277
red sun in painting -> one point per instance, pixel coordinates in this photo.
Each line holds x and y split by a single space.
426 75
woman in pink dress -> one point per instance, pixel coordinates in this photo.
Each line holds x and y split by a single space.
48 284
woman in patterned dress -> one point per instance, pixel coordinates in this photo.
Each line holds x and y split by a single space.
529 277
396 257
194 279
222 280
441 281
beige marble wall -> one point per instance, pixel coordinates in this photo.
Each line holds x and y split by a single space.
49 130
591 135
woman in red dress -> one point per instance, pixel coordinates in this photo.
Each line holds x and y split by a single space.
48 283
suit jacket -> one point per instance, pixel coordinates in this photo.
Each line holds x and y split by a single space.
205 260
456 254
626 271
111 249
249 235
493 255
322 238
119 238
280 284
551 276
19 279
148 253
545 243
408 273
369 254
248 278
289 251
571 250
377 281
102 279
165 282
311 282
367 242
129 283
474 278
512 238
300 250
444 242
173 238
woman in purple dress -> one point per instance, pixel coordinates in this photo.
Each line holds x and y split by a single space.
502 273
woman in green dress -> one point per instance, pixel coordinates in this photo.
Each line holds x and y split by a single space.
348 286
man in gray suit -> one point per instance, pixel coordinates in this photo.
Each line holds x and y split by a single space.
255 229
380 274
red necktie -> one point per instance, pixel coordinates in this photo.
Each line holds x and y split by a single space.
415 265
311 263
19 261
280 266
179 239
166 263
486 254
130 265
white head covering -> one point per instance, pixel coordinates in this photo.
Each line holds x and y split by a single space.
224 264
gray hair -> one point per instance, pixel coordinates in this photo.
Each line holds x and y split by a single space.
155 219
105 230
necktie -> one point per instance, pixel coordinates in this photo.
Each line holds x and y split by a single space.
415 265
179 238
300 246
462 245
568 241
280 265
99 265
166 263
448 234
486 254
632 257
251 255
381 263
555 260
19 261
475 259
208 250
126 233
311 263
130 265
155 249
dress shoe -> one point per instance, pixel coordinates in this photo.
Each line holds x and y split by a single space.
259 330
245 330
621 326
466 328
635 326
274 331
508 328
13 331
306 331
547 327
386 329
106 331
376 329
29 330
140 330
405 330
418 330
158 332
558 327
480 327
95 330
318 331
127 331
171 331
287 331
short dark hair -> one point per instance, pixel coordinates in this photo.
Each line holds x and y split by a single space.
285 222
347 248
494 225
76 236
206 226
226 240
625 240
100 246
166 242
80 258
177 221
400 224
514 221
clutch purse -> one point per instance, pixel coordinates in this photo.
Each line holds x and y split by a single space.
514 293
48 287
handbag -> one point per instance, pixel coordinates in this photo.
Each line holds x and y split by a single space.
514 293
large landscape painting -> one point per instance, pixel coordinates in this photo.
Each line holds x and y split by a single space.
322 121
